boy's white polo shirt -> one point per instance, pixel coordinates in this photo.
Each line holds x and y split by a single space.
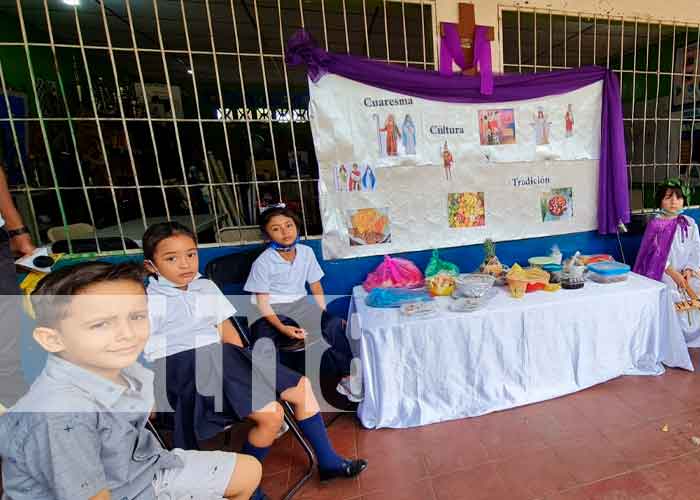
285 281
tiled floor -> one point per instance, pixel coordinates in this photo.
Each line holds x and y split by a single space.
603 443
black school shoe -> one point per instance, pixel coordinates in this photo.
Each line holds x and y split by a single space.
351 468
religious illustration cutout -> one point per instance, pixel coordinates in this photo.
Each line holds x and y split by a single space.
396 134
557 204
496 127
466 210
355 177
542 126
447 161
569 121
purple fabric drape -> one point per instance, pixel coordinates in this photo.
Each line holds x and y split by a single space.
482 59
656 245
450 49
613 196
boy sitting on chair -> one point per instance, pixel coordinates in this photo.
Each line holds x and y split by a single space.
80 431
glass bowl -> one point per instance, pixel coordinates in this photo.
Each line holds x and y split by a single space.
473 285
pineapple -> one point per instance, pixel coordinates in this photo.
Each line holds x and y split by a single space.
491 265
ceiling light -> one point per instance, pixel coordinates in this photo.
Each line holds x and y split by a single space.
74 3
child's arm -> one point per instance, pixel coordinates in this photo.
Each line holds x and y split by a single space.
263 301
319 296
229 334
676 277
64 452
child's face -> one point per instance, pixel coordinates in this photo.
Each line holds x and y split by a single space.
176 259
104 328
282 230
671 201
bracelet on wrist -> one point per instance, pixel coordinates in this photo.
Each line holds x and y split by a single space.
12 233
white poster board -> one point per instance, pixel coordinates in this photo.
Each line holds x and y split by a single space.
401 173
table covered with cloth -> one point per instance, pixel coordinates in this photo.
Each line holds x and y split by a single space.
511 352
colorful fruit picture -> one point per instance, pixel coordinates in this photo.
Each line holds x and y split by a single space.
557 204
466 210
369 226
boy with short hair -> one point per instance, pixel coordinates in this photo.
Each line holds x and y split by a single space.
80 431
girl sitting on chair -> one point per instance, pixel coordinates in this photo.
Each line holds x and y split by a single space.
670 251
278 281
190 326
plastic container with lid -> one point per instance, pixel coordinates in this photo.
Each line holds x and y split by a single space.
540 261
608 272
554 271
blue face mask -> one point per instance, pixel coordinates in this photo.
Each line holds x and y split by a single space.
669 213
162 280
281 248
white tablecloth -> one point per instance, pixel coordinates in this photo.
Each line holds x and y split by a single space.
510 353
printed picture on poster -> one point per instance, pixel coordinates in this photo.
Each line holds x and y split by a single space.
542 125
355 177
447 161
466 210
557 204
369 226
396 134
496 127
569 121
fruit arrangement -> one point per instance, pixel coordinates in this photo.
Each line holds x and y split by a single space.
557 205
440 285
491 265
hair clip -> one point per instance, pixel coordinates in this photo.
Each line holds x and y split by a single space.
676 182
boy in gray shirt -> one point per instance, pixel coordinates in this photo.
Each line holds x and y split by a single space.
80 431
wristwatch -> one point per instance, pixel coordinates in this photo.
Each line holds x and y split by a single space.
16 232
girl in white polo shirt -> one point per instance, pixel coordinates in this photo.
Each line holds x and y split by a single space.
195 345
278 280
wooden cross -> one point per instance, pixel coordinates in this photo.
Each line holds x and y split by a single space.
466 26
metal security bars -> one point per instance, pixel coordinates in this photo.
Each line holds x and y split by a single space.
657 64
120 113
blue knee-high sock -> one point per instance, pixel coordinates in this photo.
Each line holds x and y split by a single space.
260 454
252 450
315 431
258 494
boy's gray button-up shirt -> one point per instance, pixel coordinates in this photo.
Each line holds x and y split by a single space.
76 433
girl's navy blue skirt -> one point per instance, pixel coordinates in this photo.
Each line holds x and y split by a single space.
303 313
205 389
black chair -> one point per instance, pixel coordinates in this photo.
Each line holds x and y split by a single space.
230 273
162 424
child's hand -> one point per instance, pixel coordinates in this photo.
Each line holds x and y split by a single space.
679 279
688 273
293 332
